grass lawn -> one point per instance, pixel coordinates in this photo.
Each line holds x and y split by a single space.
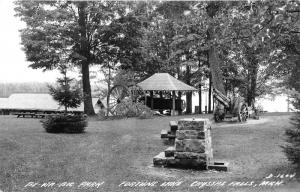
122 150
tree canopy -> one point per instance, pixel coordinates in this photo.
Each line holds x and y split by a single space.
255 43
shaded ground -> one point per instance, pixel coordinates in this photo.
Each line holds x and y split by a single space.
122 150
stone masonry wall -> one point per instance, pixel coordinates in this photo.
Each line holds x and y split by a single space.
193 143
193 148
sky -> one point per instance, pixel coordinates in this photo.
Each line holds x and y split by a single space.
13 64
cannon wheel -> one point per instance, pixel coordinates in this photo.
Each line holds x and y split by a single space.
218 118
115 96
243 112
136 92
219 113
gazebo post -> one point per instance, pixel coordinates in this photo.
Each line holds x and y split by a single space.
213 108
161 96
146 98
173 103
151 97
180 109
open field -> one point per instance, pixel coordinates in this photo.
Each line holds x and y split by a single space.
122 150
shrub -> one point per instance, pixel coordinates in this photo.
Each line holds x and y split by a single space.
101 115
146 115
144 112
65 123
292 149
128 108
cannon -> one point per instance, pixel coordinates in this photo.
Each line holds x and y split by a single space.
120 93
229 108
225 107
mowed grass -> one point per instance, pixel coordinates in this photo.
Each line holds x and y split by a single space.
122 150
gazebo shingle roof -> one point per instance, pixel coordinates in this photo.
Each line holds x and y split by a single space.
164 82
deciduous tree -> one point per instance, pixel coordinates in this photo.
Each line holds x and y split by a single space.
73 27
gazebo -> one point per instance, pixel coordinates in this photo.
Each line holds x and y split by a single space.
167 83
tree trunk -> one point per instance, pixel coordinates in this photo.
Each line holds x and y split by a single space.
108 90
200 91
188 94
109 79
200 98
87 95
209 95
189 102
253 83
84 51
66 89
179 93
212 9
252 74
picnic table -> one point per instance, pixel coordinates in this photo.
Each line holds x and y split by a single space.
41 115
24 114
